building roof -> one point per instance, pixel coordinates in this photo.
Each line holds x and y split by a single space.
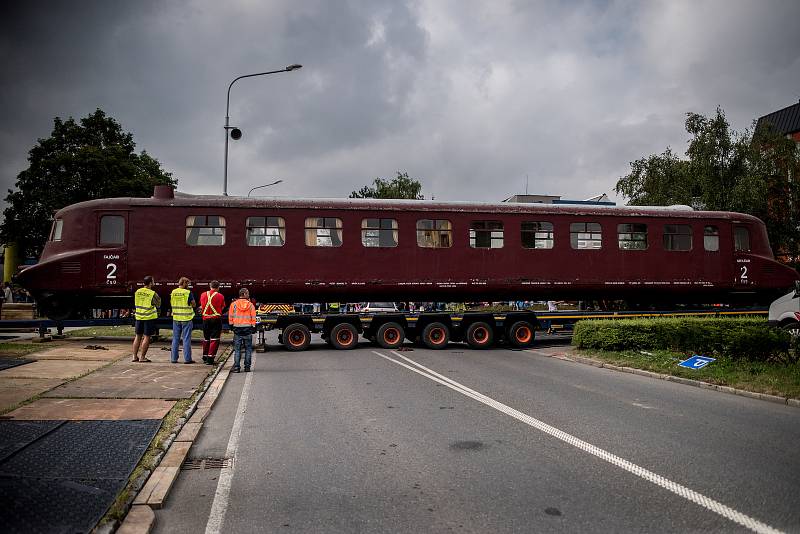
784 121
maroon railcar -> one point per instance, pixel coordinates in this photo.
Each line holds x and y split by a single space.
356 250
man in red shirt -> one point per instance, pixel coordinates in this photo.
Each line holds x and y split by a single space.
211 303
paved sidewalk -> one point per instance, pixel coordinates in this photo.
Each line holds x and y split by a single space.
77 417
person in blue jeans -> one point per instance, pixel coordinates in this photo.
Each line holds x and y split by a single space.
183 304
242 320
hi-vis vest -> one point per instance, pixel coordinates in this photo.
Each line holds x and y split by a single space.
179 299
143 304
214 312
241 313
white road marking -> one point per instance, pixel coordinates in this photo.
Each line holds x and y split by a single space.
222 496
682 491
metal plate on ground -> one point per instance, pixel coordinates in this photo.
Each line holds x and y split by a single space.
34 505
8 363
126 380
15 436
65 480
84 449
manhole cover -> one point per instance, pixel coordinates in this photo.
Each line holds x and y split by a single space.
207 463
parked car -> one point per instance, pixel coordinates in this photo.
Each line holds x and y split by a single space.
377 307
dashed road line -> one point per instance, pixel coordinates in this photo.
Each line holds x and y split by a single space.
678 489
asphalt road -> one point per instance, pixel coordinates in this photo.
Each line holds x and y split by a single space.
366 441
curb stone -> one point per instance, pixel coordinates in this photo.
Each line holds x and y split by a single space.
677 379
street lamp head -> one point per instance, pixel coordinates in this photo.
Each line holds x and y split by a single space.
293 67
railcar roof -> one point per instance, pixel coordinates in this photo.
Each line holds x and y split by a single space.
189 200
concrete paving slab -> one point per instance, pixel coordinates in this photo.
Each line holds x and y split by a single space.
52 369
127 380
16 390
92 409
78 351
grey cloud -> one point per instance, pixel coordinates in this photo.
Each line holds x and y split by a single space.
468 96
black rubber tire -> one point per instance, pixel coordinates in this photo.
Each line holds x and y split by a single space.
435 336
296 337
521 335
480 335
344 336
390 335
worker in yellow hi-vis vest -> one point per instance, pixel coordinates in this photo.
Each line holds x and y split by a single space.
182 302
146 305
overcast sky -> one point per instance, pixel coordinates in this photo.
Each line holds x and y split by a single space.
467 96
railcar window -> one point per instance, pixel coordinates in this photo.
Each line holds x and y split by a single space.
266 231
585 235
434 233
112 230
323 232
741 238
711 238
537 235
58 227
632 236
677 237
205 230
379 232
486 234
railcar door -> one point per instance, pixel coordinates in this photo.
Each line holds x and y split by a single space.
111 256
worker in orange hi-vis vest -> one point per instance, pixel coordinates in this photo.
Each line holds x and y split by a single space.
211 304
242 320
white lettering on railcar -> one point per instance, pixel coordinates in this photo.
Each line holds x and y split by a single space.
111 275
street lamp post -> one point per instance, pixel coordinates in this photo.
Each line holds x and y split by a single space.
265 185
227 117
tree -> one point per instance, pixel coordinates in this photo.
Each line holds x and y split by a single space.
399 187
754 173
93 159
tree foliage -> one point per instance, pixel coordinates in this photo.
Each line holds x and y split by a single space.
399 187
755 172
79 161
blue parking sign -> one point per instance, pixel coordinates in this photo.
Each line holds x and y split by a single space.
696 362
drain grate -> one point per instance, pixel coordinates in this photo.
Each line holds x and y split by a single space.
207 463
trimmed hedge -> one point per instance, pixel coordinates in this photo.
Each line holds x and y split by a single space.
748 338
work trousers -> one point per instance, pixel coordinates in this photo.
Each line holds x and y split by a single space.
242 341
182 333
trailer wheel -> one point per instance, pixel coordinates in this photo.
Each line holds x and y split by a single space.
480 335
296 337
521 334
390 335
435 336
344 336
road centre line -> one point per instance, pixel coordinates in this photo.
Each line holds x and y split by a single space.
682 491
216 517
